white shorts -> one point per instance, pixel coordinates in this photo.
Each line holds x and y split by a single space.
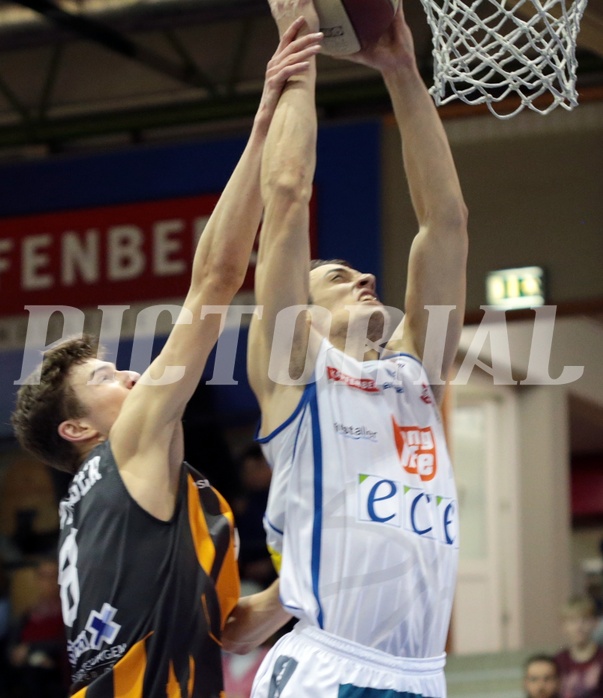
310 663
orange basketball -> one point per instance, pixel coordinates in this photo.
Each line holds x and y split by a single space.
349 25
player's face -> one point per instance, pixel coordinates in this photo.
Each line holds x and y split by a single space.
333 285
541 680
102 389
346 293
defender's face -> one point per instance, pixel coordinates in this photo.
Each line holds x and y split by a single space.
541 680
101 389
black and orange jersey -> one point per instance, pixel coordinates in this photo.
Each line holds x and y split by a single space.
144 600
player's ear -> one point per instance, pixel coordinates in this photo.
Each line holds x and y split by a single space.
76 430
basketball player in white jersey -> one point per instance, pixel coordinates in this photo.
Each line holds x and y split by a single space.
362 514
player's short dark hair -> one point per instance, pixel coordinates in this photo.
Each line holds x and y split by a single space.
315 263
46 399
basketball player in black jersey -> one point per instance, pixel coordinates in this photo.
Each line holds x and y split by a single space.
148 574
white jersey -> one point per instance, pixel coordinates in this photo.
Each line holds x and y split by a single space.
362 506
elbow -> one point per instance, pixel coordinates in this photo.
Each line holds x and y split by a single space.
459 225
237 637
456 215
289 187
452 220
229 276
463 211
229 645
224 278
463 215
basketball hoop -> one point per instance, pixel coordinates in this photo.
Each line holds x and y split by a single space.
488 50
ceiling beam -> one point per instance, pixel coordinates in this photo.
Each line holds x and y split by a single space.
330 99
33 31
116 42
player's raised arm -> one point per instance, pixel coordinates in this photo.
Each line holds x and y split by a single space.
287 173
149 422
437 263
438 257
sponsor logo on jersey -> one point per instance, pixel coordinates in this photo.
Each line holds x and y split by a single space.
392 503
202 484
96 666
426 394
367 385
396 383
354 432
82 483
101 628
416 450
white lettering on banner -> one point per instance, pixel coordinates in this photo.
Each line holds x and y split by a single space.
93 255
126 257
80 258
165 246
5 246
33 262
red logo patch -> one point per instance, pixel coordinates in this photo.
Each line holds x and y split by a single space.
426 395
368 385
417 450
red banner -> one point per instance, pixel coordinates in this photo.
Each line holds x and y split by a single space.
113 254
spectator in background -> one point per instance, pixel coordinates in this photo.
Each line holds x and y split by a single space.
255 563
594 589
541 677
581 662
36 649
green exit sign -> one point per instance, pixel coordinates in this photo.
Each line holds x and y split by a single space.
516 288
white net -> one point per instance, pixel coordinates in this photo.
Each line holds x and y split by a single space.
489 50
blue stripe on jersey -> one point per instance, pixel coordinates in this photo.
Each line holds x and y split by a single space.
317 528
414 358
272 526
393 355
299 427
303 400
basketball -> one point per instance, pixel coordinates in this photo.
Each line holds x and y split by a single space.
349 25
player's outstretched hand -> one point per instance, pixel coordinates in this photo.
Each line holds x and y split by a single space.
292 57
285 12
